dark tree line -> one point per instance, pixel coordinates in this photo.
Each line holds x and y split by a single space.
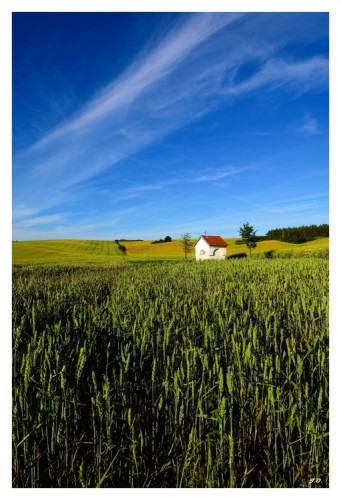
167 239
298 234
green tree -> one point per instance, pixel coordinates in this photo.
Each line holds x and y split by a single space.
248 234
187 245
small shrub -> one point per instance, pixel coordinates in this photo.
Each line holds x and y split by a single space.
269 254
122 248
300 240
238 256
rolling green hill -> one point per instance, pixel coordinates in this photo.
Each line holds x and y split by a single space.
84 251
65 251
278 246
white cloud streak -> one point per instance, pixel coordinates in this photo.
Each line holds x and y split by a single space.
37 221
309 126
195 177
22 211
218 174
276 73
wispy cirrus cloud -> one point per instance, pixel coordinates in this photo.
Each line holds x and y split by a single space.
38 221
287 205
21 211
217 174
300 76
203 175
309 126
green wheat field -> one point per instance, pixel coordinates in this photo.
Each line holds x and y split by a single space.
134 373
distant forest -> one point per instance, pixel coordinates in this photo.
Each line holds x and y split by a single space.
299 234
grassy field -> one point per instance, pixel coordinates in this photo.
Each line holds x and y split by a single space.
169 374
83 251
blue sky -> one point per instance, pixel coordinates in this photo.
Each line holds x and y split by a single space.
142 125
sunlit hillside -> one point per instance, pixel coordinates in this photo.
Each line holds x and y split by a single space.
65 251
81 251
278 246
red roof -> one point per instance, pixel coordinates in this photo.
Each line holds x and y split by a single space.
214 241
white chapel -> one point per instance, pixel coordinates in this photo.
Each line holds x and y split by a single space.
210 247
